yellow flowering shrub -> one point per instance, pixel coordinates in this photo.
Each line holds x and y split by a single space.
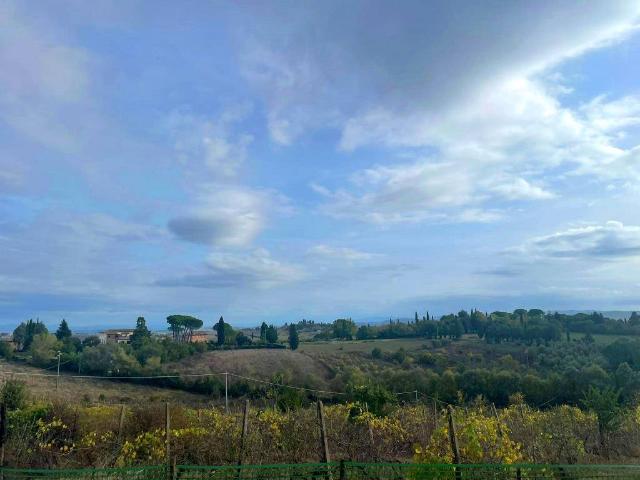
54 436
146 448
481 439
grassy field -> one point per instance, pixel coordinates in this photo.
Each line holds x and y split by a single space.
93 390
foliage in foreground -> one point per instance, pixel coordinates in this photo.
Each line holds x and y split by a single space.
55 435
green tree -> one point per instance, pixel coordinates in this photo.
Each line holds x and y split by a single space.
6 350
294 341
13 394
24 333
63 330
344 328
263 332
91 341
182 326
242 339
272 334
140 333
44 349
605 403
220 330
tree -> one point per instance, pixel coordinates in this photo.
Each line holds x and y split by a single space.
63 330
272 334
263 332
344 328
13 394
219 328
182 326
606 405
44 348
140 334
91 341
242 339
293 337
24 333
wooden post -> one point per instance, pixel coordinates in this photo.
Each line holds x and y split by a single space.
343 470
243 437
174 470
434 408
453 438
495 414
167 438
3 431
324 444
372 441
226 392
121 423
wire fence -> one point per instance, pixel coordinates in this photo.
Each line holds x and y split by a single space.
337 471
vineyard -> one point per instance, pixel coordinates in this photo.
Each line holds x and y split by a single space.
68 436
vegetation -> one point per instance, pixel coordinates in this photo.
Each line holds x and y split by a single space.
61 435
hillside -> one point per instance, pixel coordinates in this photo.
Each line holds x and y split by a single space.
88 390
261 364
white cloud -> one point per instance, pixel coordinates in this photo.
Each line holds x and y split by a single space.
488 116
234 270
340 253
326 66
44 79
212 143
612 240
227 215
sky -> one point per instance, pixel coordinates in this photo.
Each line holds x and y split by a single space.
273 161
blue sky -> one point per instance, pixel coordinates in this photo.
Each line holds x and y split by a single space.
285 160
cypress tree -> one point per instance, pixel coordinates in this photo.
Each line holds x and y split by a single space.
293 337
63 330
219 328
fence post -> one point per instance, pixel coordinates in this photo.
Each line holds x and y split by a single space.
245 428
372 441
343 470
453 438
495 414
434 408
167 439
324 444
121 423
3 431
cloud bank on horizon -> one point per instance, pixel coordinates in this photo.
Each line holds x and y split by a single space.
273 161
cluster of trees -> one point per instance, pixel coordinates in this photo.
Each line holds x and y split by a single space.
528 326
145 353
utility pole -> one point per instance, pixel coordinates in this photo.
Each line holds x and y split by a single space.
58 376
226 391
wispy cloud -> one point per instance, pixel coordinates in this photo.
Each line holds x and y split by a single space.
340 253
613 240
232 270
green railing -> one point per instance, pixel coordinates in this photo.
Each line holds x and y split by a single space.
337 471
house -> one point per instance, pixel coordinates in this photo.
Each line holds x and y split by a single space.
199 337
120 335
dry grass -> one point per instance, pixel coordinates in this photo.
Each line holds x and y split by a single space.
261 364
75 390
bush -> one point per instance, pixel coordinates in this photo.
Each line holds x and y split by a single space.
14 394
6 350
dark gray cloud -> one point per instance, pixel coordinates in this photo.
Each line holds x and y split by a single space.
611 240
